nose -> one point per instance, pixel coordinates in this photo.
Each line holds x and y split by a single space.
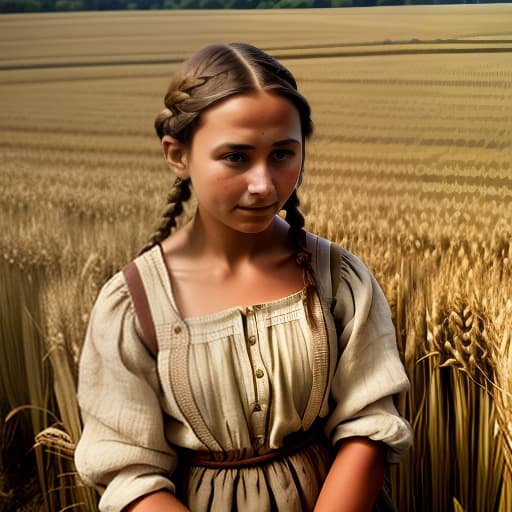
260 181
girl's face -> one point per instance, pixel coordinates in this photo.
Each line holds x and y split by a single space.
244 161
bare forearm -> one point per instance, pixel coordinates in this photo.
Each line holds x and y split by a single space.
161 501
355 477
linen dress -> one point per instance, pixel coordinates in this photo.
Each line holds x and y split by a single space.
236 383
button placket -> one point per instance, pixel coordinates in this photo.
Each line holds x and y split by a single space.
261 384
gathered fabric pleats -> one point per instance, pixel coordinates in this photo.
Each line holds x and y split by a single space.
291 483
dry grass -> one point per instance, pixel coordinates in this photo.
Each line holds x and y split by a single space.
409 168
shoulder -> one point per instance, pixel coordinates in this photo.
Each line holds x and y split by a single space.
114 338
346 269
118 303
141 283
113 308
355 291
113 294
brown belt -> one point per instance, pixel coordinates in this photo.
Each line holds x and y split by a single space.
206 460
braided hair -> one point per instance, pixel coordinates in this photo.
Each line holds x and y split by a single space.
179 193
215 73
297 237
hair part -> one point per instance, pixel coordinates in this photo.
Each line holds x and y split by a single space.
213 74
216 73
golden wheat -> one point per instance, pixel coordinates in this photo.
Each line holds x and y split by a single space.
409 168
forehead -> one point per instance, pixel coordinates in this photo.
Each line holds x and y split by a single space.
252 111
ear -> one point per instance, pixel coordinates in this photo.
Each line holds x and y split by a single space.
175 155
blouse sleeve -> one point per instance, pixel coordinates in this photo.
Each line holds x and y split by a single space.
123 451
369 373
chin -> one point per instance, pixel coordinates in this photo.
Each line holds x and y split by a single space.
254 228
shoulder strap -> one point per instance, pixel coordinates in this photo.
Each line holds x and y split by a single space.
335 265
165 332
323 250
141 305
323 264
327 257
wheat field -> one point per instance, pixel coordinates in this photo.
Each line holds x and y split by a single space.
410 167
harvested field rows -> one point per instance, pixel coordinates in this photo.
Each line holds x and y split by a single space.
410 167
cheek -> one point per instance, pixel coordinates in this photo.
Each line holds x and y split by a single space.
288 177
230 186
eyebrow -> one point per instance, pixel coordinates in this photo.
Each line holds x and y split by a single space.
242 147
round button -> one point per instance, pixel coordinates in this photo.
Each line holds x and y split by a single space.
252 340
257 408
177 329
259 373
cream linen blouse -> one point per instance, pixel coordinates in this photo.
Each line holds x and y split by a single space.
243 380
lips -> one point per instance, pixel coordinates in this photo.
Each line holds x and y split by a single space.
257 208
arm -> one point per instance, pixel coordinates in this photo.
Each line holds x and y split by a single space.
123 451
355 477
369 373
160 501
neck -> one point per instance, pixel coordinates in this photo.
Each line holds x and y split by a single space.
232 247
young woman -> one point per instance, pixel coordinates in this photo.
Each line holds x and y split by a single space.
248 365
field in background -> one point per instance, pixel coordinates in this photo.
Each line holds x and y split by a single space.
410 167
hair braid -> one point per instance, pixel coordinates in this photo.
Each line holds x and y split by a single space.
297 236
179 193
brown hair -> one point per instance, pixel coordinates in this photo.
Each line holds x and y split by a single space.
213 74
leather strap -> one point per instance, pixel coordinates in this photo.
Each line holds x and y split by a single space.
141 305
140 301
173 340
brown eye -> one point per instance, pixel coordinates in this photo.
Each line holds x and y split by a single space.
280 155
235 158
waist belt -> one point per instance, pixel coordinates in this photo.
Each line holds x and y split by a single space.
211 459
